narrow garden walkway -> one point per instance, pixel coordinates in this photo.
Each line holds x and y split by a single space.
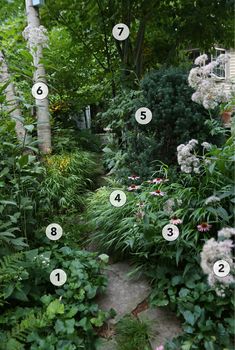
128 296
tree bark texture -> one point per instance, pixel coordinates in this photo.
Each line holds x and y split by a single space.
11 99
42 106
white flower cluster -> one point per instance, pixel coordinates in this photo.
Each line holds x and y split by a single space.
188 162
212 199
213 251
203 80
44 260
35 36
170 204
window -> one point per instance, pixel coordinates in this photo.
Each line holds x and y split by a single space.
219 71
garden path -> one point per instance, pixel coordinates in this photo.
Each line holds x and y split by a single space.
128 296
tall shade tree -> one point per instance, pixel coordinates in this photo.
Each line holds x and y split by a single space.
11 99
36 35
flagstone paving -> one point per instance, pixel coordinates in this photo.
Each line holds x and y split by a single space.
126 295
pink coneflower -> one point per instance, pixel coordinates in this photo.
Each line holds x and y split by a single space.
158 180
158 193
141 204
134 177
161 347
204 227
133 188
175 221
140 214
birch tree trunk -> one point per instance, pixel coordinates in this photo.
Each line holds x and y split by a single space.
12 102
34 35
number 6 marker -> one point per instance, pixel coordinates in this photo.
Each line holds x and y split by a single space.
40 91
117 198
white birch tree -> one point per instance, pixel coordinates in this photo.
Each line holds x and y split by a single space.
11 99
36 36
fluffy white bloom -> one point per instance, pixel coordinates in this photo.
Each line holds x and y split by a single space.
201 60
212 199
226 232
203 80
213 251
188 162
223 58
206 145
35 36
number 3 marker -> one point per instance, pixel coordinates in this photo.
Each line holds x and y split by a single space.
40 91
170 232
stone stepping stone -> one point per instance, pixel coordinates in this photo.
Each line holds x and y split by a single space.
165 325
123 294
107 344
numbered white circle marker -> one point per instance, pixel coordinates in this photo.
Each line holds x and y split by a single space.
117 198
221 268
170 232
121 31
40 91
143 115
54 232
58 277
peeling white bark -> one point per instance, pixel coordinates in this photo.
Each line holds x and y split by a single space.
43 117
11 99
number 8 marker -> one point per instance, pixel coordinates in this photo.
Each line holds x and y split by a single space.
117 198
40 91
54 232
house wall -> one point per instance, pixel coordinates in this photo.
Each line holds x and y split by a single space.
230 74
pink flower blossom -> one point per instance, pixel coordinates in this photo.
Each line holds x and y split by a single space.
161 347
140 214
158 193
175 221
133 177
158 180
204 227
141 204
133 188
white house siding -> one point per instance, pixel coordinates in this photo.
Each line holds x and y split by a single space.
230 71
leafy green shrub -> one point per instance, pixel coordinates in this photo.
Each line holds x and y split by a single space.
175 120
46 317
68 140
132 334
20 177
67 178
